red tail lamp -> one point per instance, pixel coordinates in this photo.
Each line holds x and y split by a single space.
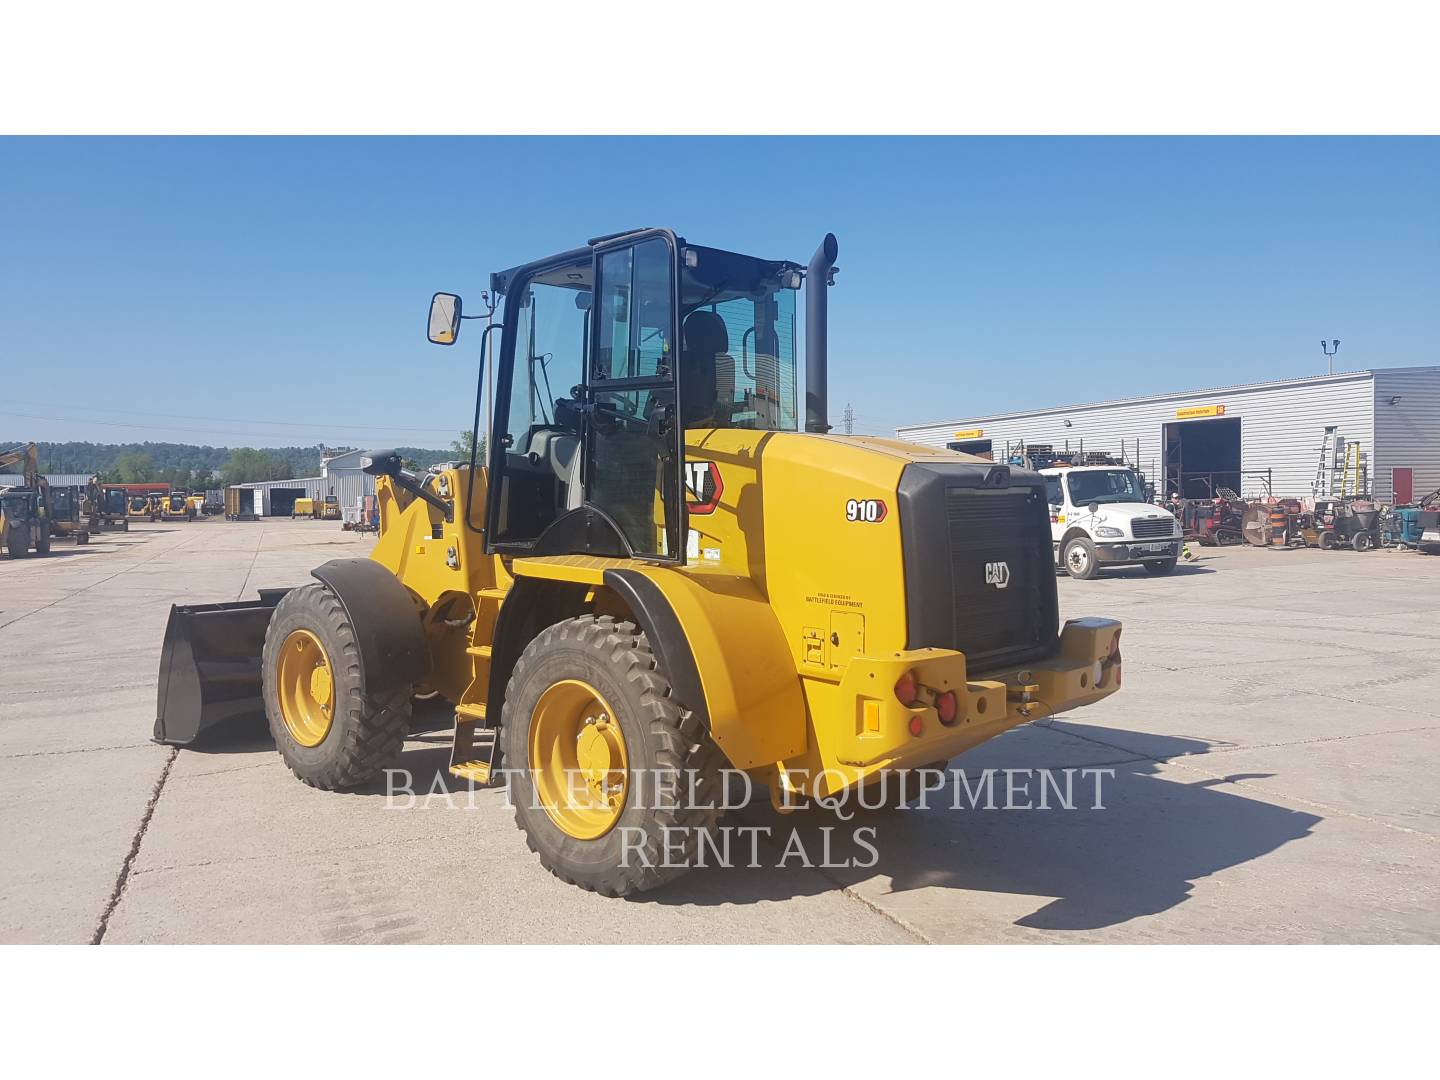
907 689
948 706
916 726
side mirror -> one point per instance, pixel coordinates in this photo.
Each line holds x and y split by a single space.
1094 508
445 309
382 462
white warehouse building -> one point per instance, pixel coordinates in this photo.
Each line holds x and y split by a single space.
1246 438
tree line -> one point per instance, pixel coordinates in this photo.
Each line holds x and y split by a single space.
189 467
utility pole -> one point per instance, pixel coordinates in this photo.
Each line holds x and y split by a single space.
849 419
1330 354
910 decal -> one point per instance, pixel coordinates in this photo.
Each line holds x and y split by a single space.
868 511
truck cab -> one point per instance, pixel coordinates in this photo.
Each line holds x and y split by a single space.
1099 518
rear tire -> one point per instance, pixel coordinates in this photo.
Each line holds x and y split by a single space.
1160 567
661 738
42 540
366 731
1362 541
1327 540
1080 561
82 538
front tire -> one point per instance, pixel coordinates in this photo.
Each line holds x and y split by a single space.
42 540
331 730
17 541
1080 561
1327 540
1362 541
1161 567
613 780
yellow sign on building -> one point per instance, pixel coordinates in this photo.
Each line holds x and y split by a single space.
973 433
1197 411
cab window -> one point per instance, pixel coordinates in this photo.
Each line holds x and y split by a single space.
1052 491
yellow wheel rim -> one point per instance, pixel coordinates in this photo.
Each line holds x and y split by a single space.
578 761
307 688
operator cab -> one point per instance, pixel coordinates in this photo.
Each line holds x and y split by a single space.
609 354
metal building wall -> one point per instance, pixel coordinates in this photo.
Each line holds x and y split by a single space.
312 485
1281 426
1408 432
349 485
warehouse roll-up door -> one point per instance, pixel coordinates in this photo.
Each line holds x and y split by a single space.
1202 456
282 500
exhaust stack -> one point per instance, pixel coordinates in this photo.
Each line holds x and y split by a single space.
817 317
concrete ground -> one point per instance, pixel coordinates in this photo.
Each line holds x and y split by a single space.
1274 755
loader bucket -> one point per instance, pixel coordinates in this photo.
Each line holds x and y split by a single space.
210 668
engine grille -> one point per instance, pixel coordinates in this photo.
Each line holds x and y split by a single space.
1152 528
991 529
965 529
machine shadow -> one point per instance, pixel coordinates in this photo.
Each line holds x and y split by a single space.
1087 868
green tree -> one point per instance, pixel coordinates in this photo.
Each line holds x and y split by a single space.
134 467
461 446
247 465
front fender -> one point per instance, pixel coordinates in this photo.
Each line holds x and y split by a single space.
386 619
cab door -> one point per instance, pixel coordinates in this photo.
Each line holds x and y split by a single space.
633 437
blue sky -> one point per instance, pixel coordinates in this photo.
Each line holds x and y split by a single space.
273 291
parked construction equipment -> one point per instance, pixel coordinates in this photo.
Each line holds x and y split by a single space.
25 509
70 516
655 575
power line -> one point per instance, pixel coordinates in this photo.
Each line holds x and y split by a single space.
219 419
190 430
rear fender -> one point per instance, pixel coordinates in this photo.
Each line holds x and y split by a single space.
717 640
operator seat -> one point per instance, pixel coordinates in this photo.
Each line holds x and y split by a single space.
707 384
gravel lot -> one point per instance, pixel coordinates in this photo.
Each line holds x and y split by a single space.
1274 755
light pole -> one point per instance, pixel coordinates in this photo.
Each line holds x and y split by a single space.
1330 352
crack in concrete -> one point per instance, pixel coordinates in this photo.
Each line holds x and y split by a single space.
81 750
123 878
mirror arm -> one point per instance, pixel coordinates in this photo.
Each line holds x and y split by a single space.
408 481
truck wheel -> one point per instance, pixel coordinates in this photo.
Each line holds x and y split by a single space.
330 730
1161 566
42 540
612 779
1327 540
82 538
1080 561
1362 541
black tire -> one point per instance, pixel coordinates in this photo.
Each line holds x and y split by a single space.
1080 561
42 540
367 730
82 538
1362 541
1327 540
17 542
1160 567
663 737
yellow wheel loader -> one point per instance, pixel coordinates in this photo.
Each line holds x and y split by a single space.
657 575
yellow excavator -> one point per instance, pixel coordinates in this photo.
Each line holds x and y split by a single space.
25 509
659 573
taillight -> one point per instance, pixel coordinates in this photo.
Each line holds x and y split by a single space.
907 689
1114 653
947 706
916 726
